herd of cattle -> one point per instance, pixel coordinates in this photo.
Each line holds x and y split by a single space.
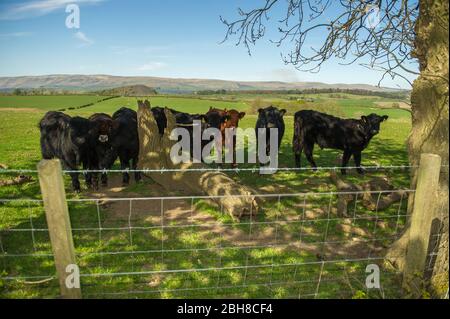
96 142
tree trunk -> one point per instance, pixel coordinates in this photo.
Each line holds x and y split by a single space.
154 153
430 132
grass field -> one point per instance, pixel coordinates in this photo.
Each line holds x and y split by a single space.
47 103
195 247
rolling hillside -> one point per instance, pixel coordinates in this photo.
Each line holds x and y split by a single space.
167 85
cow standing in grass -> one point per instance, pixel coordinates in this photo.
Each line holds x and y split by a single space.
350 135
103 146
72 140
125 142
225 120
270 118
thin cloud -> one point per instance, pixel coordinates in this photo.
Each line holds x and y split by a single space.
15 34
83 38
152 66
38 8
285 75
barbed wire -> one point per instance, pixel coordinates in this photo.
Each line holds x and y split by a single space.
218 169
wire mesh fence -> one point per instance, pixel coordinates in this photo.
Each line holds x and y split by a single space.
185 246
297 245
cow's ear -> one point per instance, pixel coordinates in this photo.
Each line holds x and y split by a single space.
364 118
260 110
384 118
241 114
282 112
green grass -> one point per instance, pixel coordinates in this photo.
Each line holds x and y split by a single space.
190 105
19 148
51 102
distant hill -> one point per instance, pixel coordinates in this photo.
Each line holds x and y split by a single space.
165 85
130 90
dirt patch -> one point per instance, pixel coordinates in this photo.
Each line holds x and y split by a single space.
394 105
179 217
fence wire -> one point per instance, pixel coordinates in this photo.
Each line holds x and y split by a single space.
296 246
219 169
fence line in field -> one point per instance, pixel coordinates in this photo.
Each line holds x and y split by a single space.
202 225
243 265
302 230
219 169
185 197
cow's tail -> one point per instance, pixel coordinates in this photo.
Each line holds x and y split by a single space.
297 142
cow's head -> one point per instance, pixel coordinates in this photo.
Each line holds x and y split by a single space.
270 117
82 131
234 117
105 126
216 118
371 123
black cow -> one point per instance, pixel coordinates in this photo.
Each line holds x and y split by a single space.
182 119
270 117
103 146
186 120
71 139
125 142
350 135
160 118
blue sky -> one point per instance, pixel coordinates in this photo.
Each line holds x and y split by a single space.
168 38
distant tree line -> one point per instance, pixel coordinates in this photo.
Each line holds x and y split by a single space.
42 91
390 95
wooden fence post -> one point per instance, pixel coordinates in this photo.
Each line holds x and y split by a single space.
421 220
58 221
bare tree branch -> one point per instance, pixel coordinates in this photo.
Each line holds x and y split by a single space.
378 31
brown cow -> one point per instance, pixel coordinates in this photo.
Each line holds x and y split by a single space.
231 121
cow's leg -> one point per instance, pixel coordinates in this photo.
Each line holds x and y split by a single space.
357 158
297 148
309 148
95 180
87 175
297 143
75 182
221 151
234 152
104 179
137 175
220 145
124 164
90 177
345 159
74 176
94 176
298 158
